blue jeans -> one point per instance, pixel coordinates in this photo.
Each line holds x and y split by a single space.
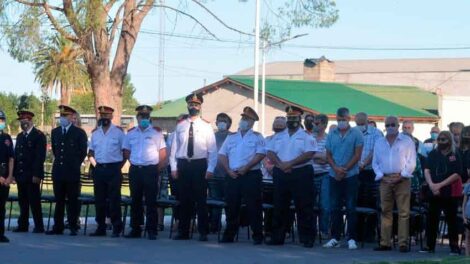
343 193
322 198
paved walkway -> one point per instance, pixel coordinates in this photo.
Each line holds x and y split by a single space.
38 249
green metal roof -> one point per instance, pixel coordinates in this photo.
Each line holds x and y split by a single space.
171 109
376 100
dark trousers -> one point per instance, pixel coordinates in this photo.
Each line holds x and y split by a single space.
3 199
368 198
247 188
143 183
297 185
66 194
192 191
216 189
107 188
29 195
343 193
449 206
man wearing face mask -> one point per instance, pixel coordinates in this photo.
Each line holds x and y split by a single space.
292 152
367 185
6 172
309 124
69 146
30 154
144 146
193 159
394 161
106 156
241 156
343 151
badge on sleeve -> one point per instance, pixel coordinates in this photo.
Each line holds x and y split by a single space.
7 142
452 158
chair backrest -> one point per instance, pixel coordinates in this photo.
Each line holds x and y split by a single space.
46 183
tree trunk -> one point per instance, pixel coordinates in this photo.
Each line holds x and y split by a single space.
107 91
64 95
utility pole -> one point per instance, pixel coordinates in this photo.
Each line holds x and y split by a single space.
161 56
256 77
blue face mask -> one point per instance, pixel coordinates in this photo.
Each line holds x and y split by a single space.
63 121
434 136
2 126
144 123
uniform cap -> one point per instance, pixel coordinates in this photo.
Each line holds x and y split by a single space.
143 109
105 110
2 115
25 114
294 111
66 110
250 113
194 98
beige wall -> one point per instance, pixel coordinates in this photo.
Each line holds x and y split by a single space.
231 99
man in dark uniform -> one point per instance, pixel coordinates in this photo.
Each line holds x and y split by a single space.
69 146
193 159
292 153
30 154
107 158
6 172
145 148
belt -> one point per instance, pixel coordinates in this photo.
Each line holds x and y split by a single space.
392 174
143 166
106 165
190 160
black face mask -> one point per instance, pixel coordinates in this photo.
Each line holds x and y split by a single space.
104 122
24 125
193 111
308 125
292 124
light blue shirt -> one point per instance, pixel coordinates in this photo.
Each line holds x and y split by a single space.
342 148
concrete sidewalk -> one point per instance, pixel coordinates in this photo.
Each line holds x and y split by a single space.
31 248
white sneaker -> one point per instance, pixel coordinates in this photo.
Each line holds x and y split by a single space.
352 244
333 243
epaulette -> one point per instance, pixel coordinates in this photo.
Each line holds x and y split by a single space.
130 129
120 128
94 129
257 133
232 133
205 120
158 129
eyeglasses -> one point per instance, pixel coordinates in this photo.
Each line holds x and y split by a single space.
391 125
442 139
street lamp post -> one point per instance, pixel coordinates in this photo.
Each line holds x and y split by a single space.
256 73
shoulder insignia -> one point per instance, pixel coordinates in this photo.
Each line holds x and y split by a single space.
232 133
158 129
205 120
257 133
120 128
130 129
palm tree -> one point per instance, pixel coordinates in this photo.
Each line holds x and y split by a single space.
60 66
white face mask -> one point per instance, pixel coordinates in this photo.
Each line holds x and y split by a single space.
243 125
362 128
392 130
222 126
343 124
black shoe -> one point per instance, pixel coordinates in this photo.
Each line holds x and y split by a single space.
98 233
257 242
227 239
203 238
73 232
404 249
160 228
116 234
274 242
4 239
38 230
308 244
133 234
181 237
382 248
152 236
20 230
426 250
54 232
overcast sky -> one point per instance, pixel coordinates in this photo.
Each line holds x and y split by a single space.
190 61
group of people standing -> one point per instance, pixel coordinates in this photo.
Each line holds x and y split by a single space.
344 168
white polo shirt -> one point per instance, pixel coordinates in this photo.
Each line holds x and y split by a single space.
241 150
144 145
288 147
107 147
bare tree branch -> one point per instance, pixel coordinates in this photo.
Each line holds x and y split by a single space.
220 20
117 20
56 24
71 17
39 5
109 5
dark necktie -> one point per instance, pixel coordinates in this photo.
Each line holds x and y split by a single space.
191 141
64 130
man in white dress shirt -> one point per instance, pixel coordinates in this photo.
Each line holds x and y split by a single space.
145 148
241 156
394 161
105 154
193 159
292 152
